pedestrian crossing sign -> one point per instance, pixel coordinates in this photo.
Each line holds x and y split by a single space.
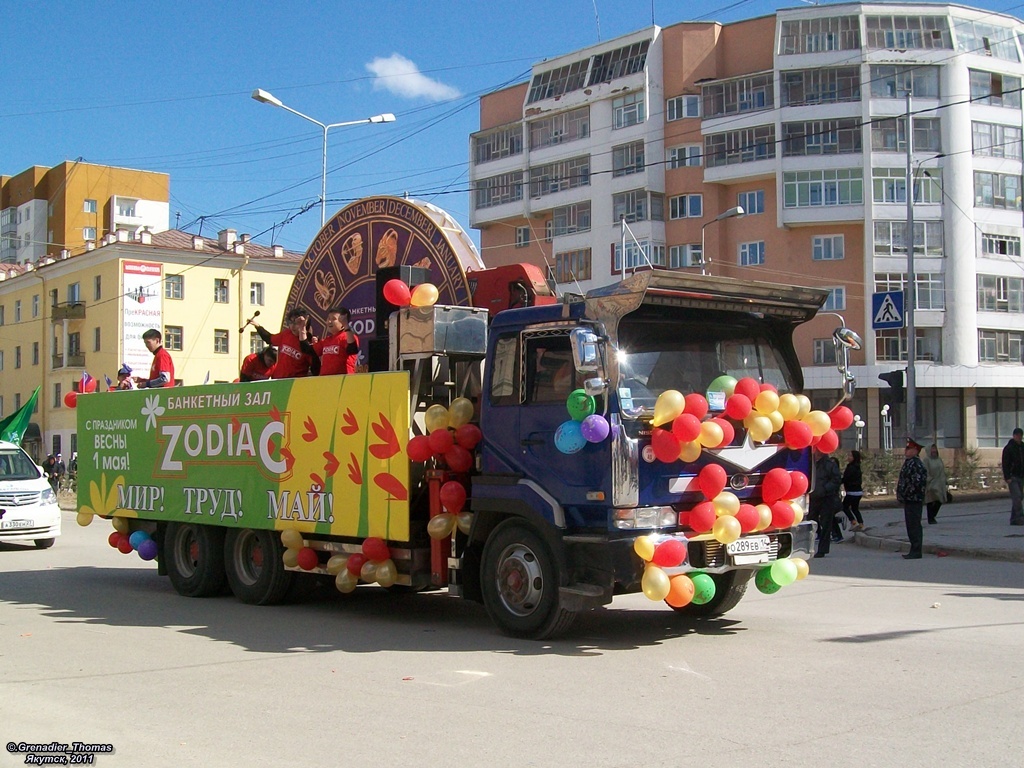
887 310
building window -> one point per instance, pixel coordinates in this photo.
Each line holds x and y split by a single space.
638 205
560 129
842 186
629 110
74 344
173 338
995 140
907 32
889 185
682 106
35 353
836 301
999 346
1 361
744 94
57 402
89 206
621 62
256 294
89 233
174 287
220 291
74 293
17 400
35 305
17 357
821 137
17 310
998 293
549 231
256 344
686 207
497 190
824 352
751 202
891 345
827 248
893 82
96 339
931 287
890 134
97 288
555 82
985 39
571 266
995 89
642 256
891 238
828 33
522 237
688 155
2 322
751 254
628 159
569 219
991 245
1 406
684 256
829 85
744 146
558 177
220 341
996 190
500 142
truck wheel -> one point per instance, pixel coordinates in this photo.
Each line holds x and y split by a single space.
194 555
519 580
44 543
254 566
730 587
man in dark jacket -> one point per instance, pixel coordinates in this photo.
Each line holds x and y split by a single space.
910 492
825 500
1013 473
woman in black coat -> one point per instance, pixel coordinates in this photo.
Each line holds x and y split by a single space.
854 490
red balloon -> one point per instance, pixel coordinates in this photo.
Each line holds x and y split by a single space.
375 548
113 539
669 553
766 386
775 485
307 559
748 387
696 404
441 440
797 434
747 517
468 436
90 386
841 416
453 496
355 563
397 292
799 485
711 480
419 448
458 459
702 517
124 546
665 445
829 442
71 399
783 515
738 406
686 427
728 433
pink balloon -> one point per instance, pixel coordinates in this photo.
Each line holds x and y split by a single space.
728 433
797 434
686 427
798 486
738 407
829 442
748 387
453 496
748 517
696 404
711 480
397 292
702 517
665 445
783 515
775 485
842 417
669 553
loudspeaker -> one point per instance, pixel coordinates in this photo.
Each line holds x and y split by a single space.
411 276
377 355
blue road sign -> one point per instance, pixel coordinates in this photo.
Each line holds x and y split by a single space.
887 310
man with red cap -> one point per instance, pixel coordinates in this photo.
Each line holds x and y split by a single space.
910 492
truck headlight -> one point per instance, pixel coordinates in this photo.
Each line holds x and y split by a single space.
645 517
48 497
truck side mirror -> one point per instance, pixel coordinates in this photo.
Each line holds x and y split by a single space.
846 339
586 350
595 387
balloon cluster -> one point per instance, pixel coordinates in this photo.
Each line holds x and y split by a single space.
584 426
372 564
450 437
125 543
779 574
758 407
453 498
679 590
71 398
398 293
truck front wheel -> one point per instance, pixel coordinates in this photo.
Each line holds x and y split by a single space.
730 587
255 570
519 580
194 556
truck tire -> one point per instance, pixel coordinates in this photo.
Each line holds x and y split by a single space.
194 555
730 587
255 570
519 581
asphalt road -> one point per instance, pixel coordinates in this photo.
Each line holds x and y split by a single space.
870 661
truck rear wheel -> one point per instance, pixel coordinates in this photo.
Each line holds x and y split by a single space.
730 587
519 580
255 570
194 555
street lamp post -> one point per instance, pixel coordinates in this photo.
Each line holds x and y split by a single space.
266 97
704 260
859 423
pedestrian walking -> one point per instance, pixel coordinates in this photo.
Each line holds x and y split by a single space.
825 501
853 485
937 488
1013 474
910 493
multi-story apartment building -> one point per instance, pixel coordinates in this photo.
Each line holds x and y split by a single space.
46 210
66 315
801 119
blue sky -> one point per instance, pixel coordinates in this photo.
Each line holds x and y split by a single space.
166 87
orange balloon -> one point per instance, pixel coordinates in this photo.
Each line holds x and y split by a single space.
680 591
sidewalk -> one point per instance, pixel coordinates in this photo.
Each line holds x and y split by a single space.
973 525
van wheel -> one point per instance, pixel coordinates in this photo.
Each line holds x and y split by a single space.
254 566
194 555
519 580
44 543
730 587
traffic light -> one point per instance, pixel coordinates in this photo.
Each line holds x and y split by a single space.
894 379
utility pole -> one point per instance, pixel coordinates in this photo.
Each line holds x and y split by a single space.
911 295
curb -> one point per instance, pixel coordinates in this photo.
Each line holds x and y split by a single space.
893 545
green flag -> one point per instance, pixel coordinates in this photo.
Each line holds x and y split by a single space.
13 427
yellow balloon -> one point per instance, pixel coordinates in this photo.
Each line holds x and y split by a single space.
644 547
440 526
669 404
464 520
760 428
655 583
387 573
789 406
819 422
368 572
337 564
726 529
726 503
777 421
460 412
764 517
291 558
291 538
424 295
690 451
805 406
436 417
346 582
798 513
802 568
766 402
711 435
85 518
120 524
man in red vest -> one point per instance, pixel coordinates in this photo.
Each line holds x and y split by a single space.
339 350
293 361
161 372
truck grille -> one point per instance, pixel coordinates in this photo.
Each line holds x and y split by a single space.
18 498
712 554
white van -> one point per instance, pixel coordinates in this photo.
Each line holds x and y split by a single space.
28 505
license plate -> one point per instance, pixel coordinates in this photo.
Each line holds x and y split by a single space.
9 524
751 545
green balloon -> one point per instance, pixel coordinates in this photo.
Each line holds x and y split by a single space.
703 588
580 405
724 383
764 582
783 572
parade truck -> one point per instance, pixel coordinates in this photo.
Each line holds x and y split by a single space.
534 453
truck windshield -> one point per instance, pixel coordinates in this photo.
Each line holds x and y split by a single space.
16 465
655 356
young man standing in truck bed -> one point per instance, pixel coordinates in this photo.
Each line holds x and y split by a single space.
339 350
292 361
161 373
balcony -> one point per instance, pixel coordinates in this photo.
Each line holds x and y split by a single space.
70 310
74 360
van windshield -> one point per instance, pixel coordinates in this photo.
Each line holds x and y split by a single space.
16 465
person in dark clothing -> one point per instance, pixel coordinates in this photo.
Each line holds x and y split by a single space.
825 501
910 492
852 484
1013 474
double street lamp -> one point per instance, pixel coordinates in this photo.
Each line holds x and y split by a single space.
268 98
704 260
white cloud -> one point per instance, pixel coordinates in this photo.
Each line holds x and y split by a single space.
403 78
